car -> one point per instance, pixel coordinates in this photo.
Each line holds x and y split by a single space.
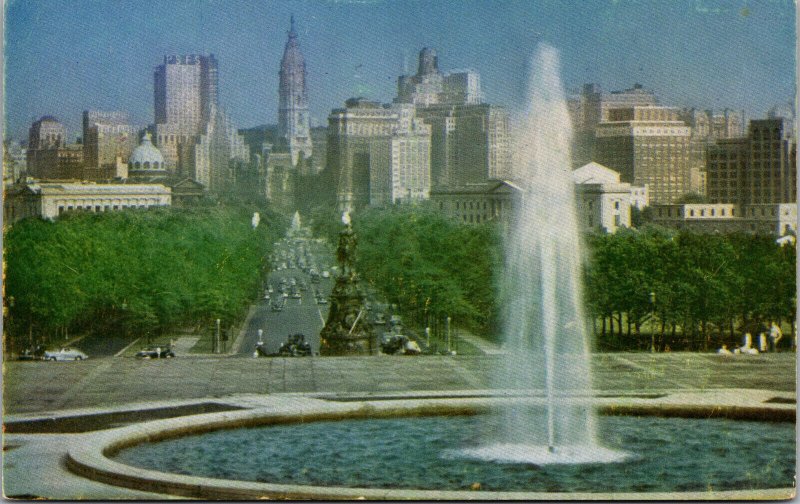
155 353
295 346
322 300
326 274
32 354
277 306
65 354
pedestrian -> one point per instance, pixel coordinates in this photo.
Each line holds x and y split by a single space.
775 335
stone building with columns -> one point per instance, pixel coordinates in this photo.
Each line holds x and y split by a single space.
49 200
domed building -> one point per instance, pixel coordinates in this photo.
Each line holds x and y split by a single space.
146 161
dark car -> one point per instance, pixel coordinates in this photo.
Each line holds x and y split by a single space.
295 346
155 353
32 354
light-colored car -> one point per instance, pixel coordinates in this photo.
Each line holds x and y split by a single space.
65 354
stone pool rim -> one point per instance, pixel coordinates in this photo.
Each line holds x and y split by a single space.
92 458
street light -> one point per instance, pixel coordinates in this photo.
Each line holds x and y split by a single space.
652 317
215 348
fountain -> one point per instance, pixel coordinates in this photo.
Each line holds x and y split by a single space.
535 440
347 331
545 335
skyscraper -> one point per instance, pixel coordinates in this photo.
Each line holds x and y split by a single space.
592 106
430 86
469 139
185 89
106 136
293 124
648 146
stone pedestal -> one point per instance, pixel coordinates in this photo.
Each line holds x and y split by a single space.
347 330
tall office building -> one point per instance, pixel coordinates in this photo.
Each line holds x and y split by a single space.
592 106
48 155
46 133
430 86
771 175
726 164
470 140
106 137
350 131
469 143
293 117
185 89
647 145
400 164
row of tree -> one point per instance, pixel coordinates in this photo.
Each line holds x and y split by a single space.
652 287
689 290
429 266
139 272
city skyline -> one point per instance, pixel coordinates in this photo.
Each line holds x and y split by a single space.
66 57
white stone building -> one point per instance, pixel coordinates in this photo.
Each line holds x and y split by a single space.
779 219
48 200
602 201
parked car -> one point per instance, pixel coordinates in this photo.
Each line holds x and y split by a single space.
155 353
32 354
295 346
65 354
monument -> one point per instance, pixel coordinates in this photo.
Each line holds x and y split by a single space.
347 330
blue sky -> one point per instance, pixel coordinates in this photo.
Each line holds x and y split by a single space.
65 56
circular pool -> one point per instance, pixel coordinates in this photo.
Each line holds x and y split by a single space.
664 455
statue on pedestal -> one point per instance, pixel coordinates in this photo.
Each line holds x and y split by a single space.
347 330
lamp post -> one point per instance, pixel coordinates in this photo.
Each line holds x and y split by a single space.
447 329
652 317
215 348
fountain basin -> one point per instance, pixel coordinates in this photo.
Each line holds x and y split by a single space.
92 459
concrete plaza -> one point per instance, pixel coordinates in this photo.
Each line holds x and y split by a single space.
110 389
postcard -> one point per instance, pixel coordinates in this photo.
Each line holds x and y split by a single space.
399 250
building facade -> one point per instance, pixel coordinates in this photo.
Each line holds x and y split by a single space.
351 130
47 133
490 201
591 106
185 89
48 200
293 115
431 87
470 144
107 136
602 201
400 164
758 169
56 163
777 219
771 175
647 146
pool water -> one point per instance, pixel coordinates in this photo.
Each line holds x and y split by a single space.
665 454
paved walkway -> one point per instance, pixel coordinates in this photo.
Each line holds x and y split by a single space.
484 345
38 387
